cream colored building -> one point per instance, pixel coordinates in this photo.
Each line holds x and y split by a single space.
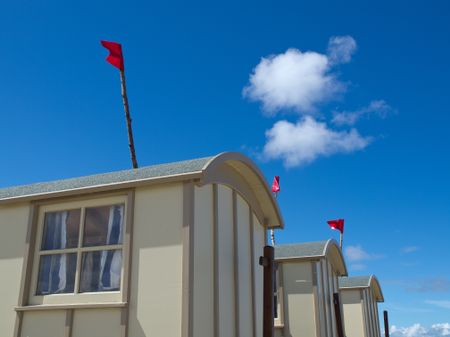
307 278
360 296
167 250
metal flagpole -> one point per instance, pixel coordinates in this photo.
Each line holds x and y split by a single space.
341 238
272 231
128 119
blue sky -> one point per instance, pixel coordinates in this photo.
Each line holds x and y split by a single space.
187 64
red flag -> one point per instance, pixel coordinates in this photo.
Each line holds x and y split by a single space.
337 224
115 56
276 184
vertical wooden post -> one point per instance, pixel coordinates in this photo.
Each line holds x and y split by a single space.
386 323
128 119
338 315
268 306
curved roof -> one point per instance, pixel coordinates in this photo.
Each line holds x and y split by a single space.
362 282
311 251
229 168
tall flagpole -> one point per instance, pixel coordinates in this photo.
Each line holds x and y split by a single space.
115 58
341 239
128 119
272 231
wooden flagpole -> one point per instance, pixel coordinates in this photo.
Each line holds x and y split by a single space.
128 119
386 323
267 261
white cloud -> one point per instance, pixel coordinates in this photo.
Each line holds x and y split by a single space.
301 81
293 80
357 254
443 327
410 249
308 139
357 266
341 49
440 303
430 284
417 330
378 107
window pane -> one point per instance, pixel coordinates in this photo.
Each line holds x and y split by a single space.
56 274
101 271
103 225
61 229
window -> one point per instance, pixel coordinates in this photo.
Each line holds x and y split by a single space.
79 252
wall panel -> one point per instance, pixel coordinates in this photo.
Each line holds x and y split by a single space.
353 313
203 297
298 288
258 245
44 323
96 322
13 232
244 268
226 296
156 278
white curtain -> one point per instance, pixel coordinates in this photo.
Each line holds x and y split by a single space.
55 266
102 269
112 259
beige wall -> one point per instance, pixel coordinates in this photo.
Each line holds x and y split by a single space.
308 288
44 323
353 313
227 322
96 322
244 268
156 295
370 309
299 314
361 312
156 287
259 243
13 231
203 299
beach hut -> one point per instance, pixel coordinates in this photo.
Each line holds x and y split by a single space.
165 250
360 296
306 296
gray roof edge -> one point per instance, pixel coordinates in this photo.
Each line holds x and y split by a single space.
301 245
100 187
369 282
180 170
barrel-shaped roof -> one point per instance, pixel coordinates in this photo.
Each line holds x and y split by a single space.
229 168
313 250
355 282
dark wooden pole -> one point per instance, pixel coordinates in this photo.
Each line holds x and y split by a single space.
268 302
338 315
386 323
128 118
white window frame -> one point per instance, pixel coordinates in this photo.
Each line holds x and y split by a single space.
77 297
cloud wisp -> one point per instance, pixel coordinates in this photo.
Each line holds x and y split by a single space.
417 330
303 142
430 285
439 303
409 249
341 49
356 255
377 107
